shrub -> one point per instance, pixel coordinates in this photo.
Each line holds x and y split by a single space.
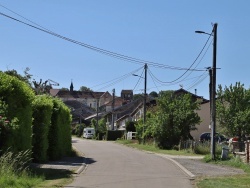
130 126
60 131
204 148
18 96
114 135
11 163
42 111
78 130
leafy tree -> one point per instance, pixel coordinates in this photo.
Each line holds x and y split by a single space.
174 118
25 78
130 126
153 94
138 96
64 89
102 128
84 89
233 109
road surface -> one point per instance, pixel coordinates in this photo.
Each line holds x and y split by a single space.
111 165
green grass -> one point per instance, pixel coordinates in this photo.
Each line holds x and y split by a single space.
15 172
241 180
152 148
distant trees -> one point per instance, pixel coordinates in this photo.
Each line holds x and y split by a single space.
233 109
84 89
153 94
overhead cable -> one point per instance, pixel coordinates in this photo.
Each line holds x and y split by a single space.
96 49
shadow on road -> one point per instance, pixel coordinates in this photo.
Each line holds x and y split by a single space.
89 161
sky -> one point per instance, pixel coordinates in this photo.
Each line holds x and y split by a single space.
160 33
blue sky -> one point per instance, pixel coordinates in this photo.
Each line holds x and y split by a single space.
160 31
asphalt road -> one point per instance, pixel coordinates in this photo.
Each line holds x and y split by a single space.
110 165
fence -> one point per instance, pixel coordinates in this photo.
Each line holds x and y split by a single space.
131 135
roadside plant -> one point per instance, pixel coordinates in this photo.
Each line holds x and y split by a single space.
14 163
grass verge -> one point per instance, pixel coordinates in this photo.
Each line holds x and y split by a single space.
152 148
241 180
15 172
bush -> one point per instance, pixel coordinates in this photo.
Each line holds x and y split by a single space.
78 130
18 96
60 131
130 126
114 135
14 164
42 111
204 148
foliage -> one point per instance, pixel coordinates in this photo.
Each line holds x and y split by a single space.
130 126
16 163
25 78
60 131
173 120
233 109
18 96
153 94
84 89
7 127
114 135
204 148
102 128
78 129
42 112
138 96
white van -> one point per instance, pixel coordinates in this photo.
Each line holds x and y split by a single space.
88 132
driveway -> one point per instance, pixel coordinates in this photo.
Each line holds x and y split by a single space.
111 165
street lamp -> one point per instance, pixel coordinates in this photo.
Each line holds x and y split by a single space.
145 94
212 90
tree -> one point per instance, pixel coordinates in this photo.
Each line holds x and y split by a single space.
25 78
233 109
64 89
130 126
84 89
174 118
138 96
153 94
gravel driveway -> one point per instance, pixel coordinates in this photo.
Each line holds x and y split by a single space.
199 168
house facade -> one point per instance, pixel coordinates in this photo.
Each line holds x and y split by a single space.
87 98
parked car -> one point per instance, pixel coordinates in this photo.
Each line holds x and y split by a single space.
207 137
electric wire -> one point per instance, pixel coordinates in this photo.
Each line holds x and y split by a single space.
139 81
174 81
99 50
118 78
198 82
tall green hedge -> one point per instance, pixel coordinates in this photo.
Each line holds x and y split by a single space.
42 112
60 131
18 96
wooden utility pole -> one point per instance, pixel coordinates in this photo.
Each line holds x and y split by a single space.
213 95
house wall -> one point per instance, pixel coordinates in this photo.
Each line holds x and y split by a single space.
138 115
204 114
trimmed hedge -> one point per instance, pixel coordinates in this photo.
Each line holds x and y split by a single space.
18 96
59 131
42 112
114 135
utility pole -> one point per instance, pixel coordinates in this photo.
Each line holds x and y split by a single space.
213 95
97 117
145 96
113 107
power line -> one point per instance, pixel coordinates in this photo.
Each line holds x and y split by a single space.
118 78
96 49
